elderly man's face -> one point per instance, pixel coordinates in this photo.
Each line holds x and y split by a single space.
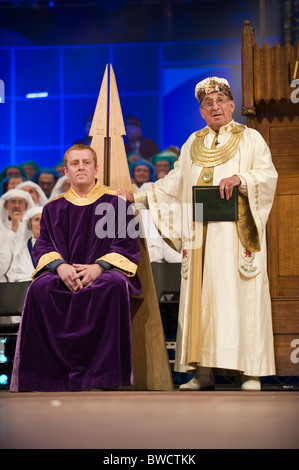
217 110
16 205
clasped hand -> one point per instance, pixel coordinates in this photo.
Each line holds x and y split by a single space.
78 276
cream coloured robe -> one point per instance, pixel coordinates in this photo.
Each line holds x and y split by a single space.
225 317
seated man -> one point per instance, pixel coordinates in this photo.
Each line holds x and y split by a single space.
75 332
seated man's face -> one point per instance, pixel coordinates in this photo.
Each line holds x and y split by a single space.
47 182
81 168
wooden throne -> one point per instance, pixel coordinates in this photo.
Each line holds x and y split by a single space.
270 102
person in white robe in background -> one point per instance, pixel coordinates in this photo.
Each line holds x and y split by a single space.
62 185
35 191
13 205
225 321
5 253
22 265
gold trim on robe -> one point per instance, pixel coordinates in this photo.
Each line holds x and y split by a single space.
121 263
97 191
44 260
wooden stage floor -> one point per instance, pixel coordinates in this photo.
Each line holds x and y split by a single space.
230 419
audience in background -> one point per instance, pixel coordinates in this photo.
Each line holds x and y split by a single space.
35 191
60 168
10 182
87 139
13 204
12 170
46 179
5 253
142 172
30 168
62 185
136 143
22 265
163 163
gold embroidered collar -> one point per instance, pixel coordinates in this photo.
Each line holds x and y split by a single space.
205 157
97 191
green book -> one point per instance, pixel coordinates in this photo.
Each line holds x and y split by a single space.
214 208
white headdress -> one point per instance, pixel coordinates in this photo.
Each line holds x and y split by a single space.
42 198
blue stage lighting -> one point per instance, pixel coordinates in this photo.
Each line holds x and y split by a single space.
43 94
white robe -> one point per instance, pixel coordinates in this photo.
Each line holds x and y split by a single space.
226 303
21 268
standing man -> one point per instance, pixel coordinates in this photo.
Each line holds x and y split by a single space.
76 324
225 320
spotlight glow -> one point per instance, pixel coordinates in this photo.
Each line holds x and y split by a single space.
43 94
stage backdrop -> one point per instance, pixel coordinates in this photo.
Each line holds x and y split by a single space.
49 91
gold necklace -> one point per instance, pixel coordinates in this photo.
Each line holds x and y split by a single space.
205 157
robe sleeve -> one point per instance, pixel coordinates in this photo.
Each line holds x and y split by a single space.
122 250
261 180
164 200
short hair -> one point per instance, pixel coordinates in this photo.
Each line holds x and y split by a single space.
80 147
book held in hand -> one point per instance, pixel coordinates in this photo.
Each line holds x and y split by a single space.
208 205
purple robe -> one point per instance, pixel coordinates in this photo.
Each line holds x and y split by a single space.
79 340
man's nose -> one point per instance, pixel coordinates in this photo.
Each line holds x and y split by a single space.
215 105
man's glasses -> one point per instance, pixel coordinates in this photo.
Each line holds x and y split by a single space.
219 102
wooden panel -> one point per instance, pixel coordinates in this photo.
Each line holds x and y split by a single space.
277 119
285 315
286 165
288 184
288 286
288 235
284 141
286 354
